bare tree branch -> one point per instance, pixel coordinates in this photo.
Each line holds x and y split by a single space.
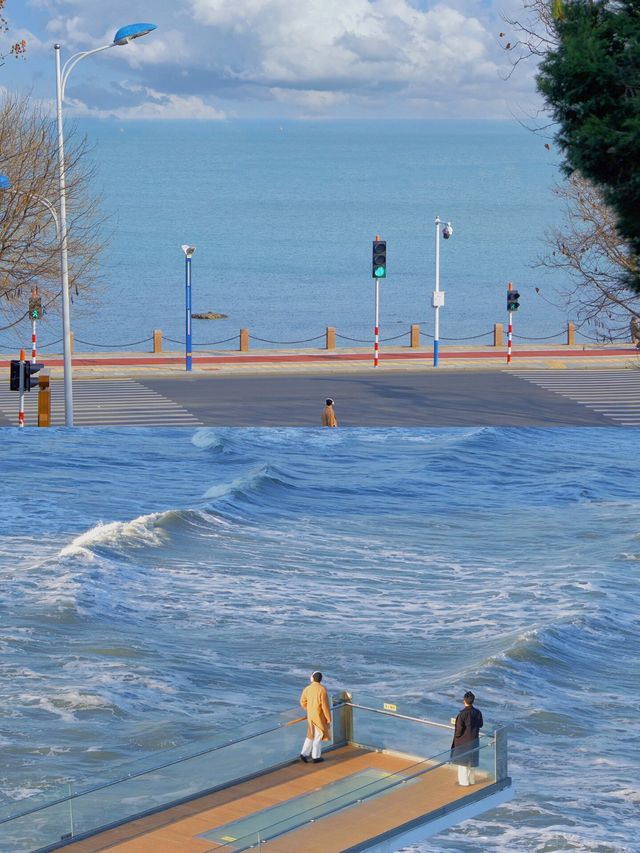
589 250
29 246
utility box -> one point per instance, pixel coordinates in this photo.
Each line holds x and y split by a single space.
44 401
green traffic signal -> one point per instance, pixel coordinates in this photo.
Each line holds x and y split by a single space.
379 259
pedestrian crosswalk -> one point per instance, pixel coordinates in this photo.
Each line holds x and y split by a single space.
101 402
614 394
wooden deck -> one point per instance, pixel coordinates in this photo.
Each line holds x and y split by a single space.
176 830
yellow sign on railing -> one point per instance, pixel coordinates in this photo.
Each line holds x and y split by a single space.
389 707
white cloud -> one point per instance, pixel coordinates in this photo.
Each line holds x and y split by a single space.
293 57
353 43
156 105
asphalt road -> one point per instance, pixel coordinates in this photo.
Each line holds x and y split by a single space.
450 398
411 399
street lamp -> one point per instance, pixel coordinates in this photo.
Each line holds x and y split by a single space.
188 254
438 295
123 36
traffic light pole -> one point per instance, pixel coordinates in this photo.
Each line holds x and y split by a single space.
510 328
376 329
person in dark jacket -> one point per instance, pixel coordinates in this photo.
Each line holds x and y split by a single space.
466 740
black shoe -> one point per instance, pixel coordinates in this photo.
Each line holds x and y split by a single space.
303 758
317 760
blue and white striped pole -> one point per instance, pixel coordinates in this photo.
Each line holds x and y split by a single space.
438 295
188 254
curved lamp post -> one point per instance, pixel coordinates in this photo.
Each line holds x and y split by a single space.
5 184
123 36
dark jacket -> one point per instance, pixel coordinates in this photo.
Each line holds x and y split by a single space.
466 737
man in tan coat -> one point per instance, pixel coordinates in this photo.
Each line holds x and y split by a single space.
315 701
328 415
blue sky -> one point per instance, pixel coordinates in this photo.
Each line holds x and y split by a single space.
275 58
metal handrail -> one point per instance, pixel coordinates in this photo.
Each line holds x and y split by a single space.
401 716
407 717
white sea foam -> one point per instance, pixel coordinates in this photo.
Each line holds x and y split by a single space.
138 532
207 439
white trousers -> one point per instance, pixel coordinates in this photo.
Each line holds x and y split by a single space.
466 775
313 746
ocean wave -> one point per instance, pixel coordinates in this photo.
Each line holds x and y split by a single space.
246 483
208 439
145 531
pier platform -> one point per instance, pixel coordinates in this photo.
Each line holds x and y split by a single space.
386 781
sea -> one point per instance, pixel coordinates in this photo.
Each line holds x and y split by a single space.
283 214
160 585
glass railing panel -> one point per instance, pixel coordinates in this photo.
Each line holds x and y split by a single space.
39 829
186 778
380 730
229 756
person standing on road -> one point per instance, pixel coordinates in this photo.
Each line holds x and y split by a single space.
328 415
466 740
315 701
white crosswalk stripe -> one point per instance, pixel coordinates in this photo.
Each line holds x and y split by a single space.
102 402
614 394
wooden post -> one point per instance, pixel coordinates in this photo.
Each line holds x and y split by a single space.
415 335
157 340
44 401
71 336
244 340
331 337
498 331
571 334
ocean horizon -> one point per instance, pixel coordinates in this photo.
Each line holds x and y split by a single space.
282 214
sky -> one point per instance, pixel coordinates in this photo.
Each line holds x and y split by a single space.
217 59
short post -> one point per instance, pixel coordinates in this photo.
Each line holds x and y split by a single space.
571 334
157 340
415 335
21 390
44 401
498 332
244 340
331 337
342 722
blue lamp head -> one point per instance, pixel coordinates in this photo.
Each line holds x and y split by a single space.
5 183
132 31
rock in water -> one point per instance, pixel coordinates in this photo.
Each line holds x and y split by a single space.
209 315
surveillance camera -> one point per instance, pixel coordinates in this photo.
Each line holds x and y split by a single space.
188 250
447 231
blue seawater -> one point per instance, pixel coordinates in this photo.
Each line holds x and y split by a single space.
283 215
156 585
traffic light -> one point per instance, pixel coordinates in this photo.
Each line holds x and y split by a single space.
35 308
14 376
379 259
512 300
31 381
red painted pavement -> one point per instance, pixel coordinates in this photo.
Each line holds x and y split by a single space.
283 358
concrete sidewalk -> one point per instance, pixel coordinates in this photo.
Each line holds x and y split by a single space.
356 360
